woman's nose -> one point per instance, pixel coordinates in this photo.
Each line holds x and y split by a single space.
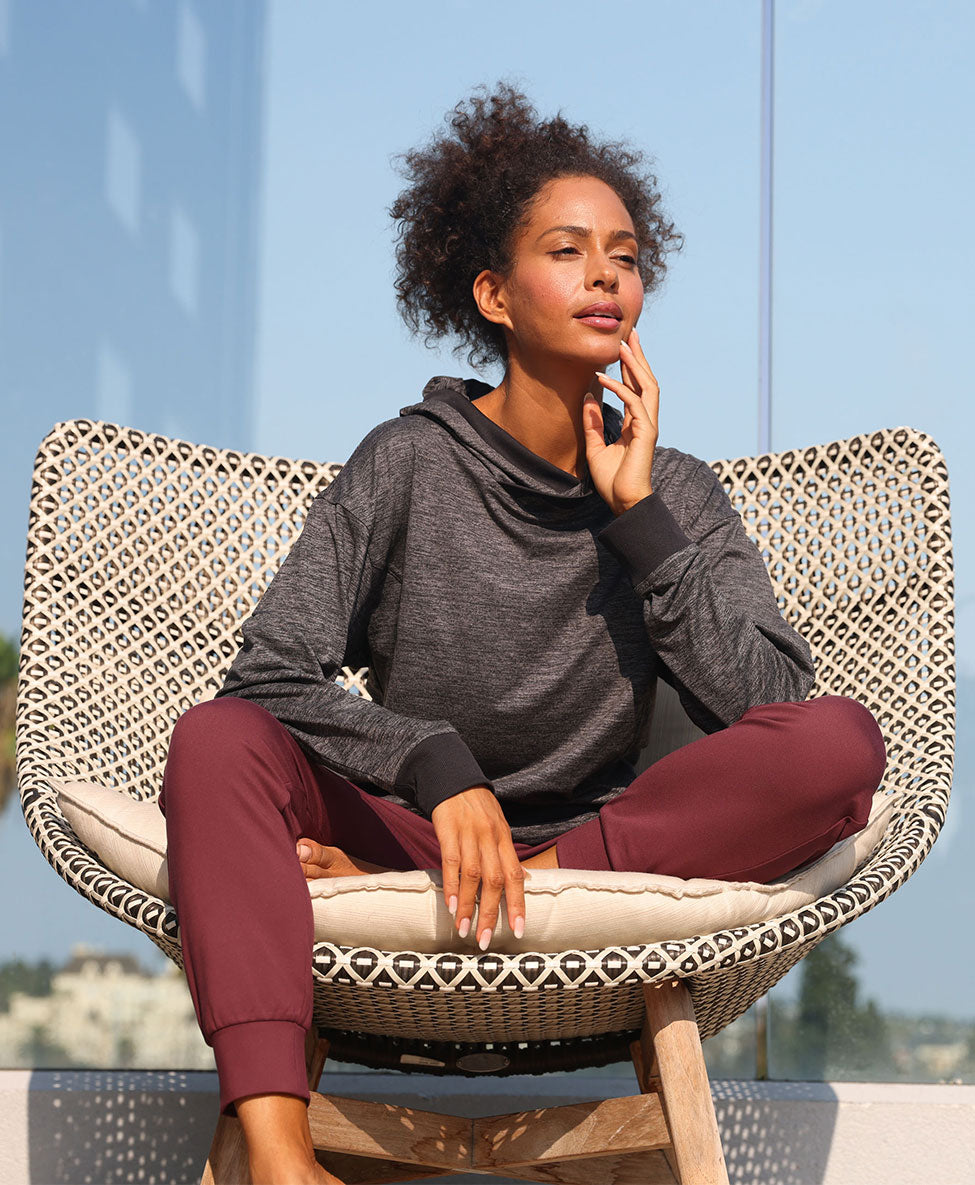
604 272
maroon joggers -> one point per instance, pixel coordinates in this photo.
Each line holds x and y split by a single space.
750 802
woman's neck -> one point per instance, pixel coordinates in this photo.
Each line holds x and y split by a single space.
544 412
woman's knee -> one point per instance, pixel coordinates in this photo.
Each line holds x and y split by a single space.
220 724
849 741
220 742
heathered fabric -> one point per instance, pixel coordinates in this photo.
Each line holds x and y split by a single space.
513 627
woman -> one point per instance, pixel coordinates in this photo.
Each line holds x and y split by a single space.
516 565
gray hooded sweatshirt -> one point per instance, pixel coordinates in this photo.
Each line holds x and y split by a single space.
513 627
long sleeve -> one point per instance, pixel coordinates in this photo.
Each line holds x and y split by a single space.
710 611
312 620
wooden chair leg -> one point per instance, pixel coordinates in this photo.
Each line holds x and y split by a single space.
316 1054
227 1163
669 1061
648 1077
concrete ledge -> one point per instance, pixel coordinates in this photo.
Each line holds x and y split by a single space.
62 1127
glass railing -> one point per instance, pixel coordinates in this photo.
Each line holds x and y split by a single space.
191 190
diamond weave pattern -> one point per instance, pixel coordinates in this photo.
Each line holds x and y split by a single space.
145 554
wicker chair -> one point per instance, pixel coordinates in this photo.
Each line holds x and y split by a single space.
144 554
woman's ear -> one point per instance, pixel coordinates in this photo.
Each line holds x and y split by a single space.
489 296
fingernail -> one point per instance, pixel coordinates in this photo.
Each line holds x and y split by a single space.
452 905
519 927
304 851
465 925
485 939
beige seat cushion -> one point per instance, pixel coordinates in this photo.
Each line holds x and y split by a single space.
565 908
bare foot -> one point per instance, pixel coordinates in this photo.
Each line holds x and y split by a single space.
546 859
324 860
297 1174
293 1173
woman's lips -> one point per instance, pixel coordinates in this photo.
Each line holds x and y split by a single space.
600 322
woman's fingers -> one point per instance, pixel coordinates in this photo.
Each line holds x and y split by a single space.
632 401
514 887
643 377
481 876
501 875
470 880
639 386
492 886
622 471
450 855
479 857
637 379
592 426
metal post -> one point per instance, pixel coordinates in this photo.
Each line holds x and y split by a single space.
765 237
765 360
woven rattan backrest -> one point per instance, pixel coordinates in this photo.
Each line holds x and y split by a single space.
145 554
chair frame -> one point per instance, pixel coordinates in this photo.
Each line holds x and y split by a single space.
144 555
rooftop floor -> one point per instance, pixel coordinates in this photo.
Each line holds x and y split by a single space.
68 1126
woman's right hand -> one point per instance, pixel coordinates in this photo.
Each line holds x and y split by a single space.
621 471
476 845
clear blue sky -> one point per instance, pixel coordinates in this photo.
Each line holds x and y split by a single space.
872 295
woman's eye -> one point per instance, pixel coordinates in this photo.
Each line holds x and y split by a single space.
622 258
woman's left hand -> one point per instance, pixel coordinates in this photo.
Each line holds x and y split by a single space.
621 471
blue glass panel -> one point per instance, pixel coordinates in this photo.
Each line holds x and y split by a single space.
873 311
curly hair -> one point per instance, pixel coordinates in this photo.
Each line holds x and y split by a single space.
470 189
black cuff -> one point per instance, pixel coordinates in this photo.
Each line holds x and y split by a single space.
644 536
438 768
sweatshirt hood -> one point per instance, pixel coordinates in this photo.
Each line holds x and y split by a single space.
451 403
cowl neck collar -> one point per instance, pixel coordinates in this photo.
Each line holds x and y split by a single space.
452 403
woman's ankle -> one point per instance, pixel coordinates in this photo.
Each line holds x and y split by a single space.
276 1130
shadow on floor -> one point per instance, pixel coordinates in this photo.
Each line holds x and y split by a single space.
155 1127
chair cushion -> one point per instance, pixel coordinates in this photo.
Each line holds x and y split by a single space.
565 908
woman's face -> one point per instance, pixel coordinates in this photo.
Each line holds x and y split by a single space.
577 249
